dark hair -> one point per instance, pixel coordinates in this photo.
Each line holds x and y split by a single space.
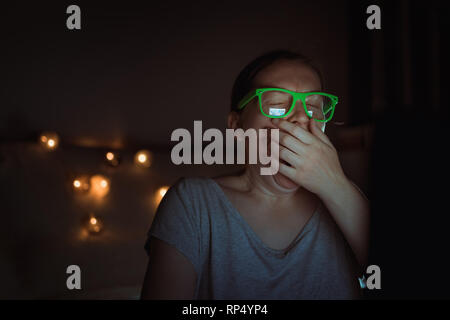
244 81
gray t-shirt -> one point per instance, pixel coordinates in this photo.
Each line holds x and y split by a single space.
232 262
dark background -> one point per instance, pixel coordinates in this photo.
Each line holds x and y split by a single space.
137 71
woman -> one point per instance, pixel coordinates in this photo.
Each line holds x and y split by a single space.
299 234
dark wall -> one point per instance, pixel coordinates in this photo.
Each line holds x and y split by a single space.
136 71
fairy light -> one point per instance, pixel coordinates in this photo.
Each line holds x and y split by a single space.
49 140
81 184
109 156
99 186
112 159
94 225
160 193
143 158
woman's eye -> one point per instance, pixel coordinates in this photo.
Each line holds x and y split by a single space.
314 109
277 111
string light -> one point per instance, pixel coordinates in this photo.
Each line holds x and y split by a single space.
109 156
81 184
94 225
160 193
49 140
143 158
99 186
112 159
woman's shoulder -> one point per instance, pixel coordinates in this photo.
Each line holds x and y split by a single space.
187 196
195 197
232 182
202 192
192 185
199 183
185 182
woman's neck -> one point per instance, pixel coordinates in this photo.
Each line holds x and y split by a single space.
265 188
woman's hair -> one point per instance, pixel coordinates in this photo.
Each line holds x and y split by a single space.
244 81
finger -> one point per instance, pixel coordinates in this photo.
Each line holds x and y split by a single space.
315 130
295 130
290 157
292 143
287 171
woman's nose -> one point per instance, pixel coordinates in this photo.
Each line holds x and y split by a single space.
298 115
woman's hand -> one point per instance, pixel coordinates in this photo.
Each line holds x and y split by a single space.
314 160
316 167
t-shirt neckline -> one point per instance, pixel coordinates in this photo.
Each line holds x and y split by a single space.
278 252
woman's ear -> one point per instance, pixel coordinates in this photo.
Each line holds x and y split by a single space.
233 120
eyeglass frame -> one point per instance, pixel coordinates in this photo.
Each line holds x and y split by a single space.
296 97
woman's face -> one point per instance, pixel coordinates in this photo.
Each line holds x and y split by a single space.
290 75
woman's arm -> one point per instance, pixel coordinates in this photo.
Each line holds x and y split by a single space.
315 166
350 209
170 275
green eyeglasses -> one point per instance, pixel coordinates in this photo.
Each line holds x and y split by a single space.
279 103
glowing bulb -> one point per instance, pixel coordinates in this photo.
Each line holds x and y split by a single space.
99 186
143 158
112 159
94 224
110 156
49 140
160 193
81 184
